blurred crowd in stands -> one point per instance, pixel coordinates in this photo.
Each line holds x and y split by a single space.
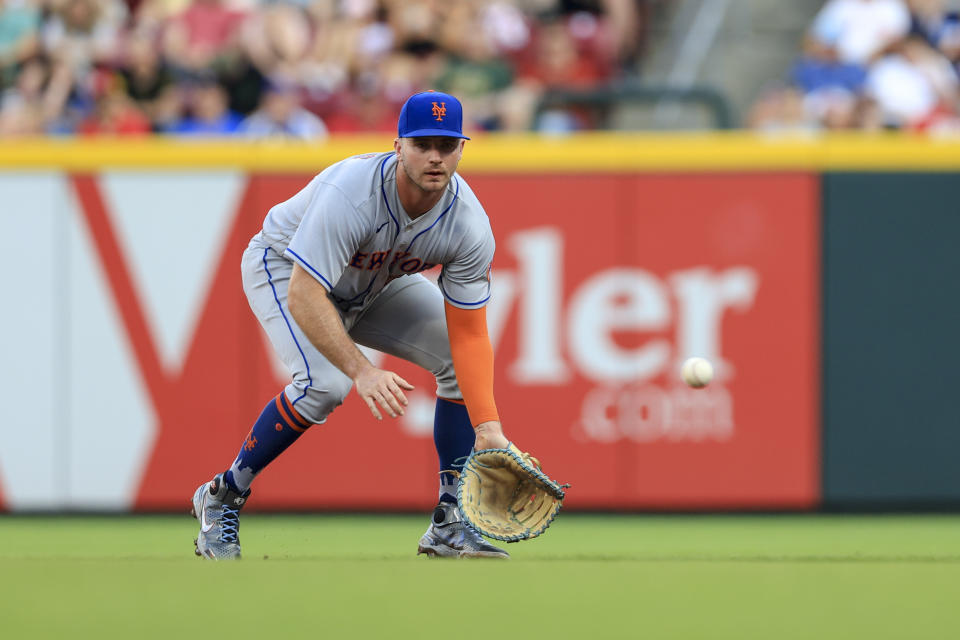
305 68
872 65
297 68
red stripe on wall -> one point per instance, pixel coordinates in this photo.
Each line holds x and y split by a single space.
225 380
125 294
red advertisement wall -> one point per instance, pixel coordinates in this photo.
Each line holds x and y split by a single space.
644 271
603 284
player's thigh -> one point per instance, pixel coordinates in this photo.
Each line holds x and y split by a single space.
266 276
317 386
407 320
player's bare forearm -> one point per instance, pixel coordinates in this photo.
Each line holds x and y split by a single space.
489 435
319 320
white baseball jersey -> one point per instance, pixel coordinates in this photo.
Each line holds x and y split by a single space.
348 229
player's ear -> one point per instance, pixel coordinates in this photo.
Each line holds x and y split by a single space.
396 144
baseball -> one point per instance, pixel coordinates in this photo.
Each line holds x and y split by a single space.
697 372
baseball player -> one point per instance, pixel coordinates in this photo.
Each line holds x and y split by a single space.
339 264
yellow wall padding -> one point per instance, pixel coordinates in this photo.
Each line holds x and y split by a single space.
492 153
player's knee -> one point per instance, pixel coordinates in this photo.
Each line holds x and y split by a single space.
315 404
447 386
336 390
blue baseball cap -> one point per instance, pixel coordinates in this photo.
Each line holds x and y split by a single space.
431 113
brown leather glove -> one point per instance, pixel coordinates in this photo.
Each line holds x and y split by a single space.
504 495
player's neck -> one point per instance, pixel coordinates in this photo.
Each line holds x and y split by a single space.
414 200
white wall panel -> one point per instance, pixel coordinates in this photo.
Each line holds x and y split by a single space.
172 228
113 420
33 437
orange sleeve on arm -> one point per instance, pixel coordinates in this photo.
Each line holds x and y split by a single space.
472 361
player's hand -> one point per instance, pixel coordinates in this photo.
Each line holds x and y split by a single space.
384 388
489 435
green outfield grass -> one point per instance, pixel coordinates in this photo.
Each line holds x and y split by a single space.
776 576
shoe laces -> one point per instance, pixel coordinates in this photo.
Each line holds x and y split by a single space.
472 534
229 524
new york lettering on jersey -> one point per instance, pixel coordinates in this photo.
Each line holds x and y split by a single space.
401 259
354 236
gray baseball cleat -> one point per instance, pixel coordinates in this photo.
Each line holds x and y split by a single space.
450 537
217 507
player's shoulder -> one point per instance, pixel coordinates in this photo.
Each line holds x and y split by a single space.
359 167
469 223
357 178
460 185
469 208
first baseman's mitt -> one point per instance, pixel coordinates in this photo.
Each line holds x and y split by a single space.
504 495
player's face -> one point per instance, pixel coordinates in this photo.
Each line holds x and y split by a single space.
429 162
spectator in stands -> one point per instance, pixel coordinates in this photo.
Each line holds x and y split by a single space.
846 35
624 23
473 71
863 69
303 46
278 39
857 31
79 36
364 109
24 109
813 74
114 112
242 81
915 87
562 58
373 38
207 110
19 36
353 61
202 35
417 25
506 27
168 109
145 77
829 89
82 34
150 17
281 115
939 26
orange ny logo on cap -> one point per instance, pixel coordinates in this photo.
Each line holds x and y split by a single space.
440 110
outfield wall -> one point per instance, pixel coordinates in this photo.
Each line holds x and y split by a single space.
133 367
892 427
